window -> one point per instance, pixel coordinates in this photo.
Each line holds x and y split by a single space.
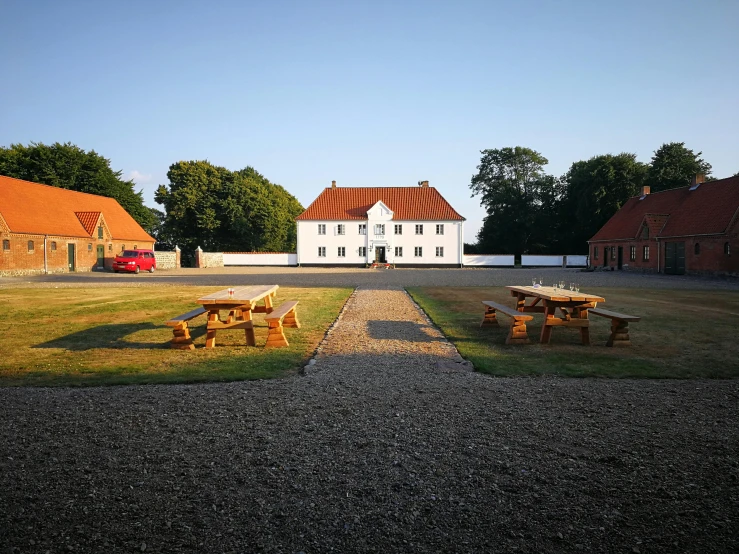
632 253
100 232
321 228
89 247
6 244
595 252
398 229
340 229
646 254
110 247
363 251
30 246
380 229
53 246
398 251
727 249
135 247
419 229
342 252
439 228
645 232
439 251
418 251
697 248
123 247
321 251
362 228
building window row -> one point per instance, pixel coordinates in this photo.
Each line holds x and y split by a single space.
362 228
362 251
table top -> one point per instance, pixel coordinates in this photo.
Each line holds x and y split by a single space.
557 295
241 295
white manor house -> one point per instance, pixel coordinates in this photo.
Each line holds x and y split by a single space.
404 226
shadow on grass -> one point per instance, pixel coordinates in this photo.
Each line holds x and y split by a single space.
112 335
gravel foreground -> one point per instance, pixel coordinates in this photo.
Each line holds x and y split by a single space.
388 444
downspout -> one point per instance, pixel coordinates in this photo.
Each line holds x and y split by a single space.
46 263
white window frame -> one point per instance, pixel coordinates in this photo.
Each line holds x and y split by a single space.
321 251
363 251
321 228
439 228
418 251
362 228
341 252
645 254
419 228
398 251
398 228
439 251
341 229
379 228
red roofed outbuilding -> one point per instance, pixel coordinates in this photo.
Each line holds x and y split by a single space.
405 226
50 229
691 229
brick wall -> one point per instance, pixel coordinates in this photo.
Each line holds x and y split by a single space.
18 259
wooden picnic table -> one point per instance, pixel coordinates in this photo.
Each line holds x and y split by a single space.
240 306
573 306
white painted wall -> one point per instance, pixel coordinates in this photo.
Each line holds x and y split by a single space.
309 240
541 261
577 261
488 260
260 258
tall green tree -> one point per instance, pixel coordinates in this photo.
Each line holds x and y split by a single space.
70 167
514 190
673 165
217 209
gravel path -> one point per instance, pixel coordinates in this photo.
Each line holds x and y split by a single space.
388 444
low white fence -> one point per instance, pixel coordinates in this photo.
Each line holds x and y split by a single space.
554 261
260 258
487 260
577 261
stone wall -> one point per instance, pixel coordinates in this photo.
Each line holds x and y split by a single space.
208 259
168 260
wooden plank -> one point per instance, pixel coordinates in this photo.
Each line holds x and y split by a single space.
241 295
281 311
177 321
510 312
615 315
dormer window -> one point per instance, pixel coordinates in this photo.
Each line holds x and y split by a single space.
100 232
645 233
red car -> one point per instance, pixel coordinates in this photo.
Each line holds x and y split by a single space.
135 261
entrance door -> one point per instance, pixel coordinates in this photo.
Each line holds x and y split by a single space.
380 255
675 258
605 256
70 257
620 257
101 256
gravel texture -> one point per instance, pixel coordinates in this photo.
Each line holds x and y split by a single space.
387 444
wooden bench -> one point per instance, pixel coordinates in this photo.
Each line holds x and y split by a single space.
283 316
619 326
517 333
182 339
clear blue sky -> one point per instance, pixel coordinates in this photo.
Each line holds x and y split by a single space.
376 93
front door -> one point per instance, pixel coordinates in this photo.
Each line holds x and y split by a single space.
605 256
620 257
675 258
101 256
70 257
380 255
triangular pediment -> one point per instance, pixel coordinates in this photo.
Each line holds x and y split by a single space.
380 211
3 225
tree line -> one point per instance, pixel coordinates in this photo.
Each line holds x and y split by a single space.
529 211
205 205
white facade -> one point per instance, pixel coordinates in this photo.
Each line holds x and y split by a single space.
358 242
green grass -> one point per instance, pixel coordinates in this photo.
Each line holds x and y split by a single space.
110 336
682 334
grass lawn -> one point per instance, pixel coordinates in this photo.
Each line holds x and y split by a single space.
117 335
682 334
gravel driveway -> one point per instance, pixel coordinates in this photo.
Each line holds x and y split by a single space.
387 444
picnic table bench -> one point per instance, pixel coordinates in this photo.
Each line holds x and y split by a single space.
283 316
619 326
182 339
517 333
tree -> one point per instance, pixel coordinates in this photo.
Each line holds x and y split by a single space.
595 189
513 190
217 209
673 165
70 167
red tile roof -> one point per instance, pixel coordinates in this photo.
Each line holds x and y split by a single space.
40 209
407 203
709 209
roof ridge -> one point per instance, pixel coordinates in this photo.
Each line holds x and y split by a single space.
58 188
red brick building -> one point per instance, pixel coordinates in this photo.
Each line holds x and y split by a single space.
49 229
692 229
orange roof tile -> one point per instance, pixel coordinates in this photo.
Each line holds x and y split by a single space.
407 203
40 209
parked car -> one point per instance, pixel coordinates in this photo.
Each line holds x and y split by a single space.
135 261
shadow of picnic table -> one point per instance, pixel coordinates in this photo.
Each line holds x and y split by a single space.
113 335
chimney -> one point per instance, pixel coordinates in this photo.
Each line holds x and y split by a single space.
645 190
697 180
424 184
333 184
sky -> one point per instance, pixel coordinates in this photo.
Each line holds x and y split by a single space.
369 93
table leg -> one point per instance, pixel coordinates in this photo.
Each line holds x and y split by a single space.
546 330
268 304
251 340
210 336
520 303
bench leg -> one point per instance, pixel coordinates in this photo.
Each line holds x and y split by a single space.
489 320
517 333
210 336
619 333
182 339
291 319
275 335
